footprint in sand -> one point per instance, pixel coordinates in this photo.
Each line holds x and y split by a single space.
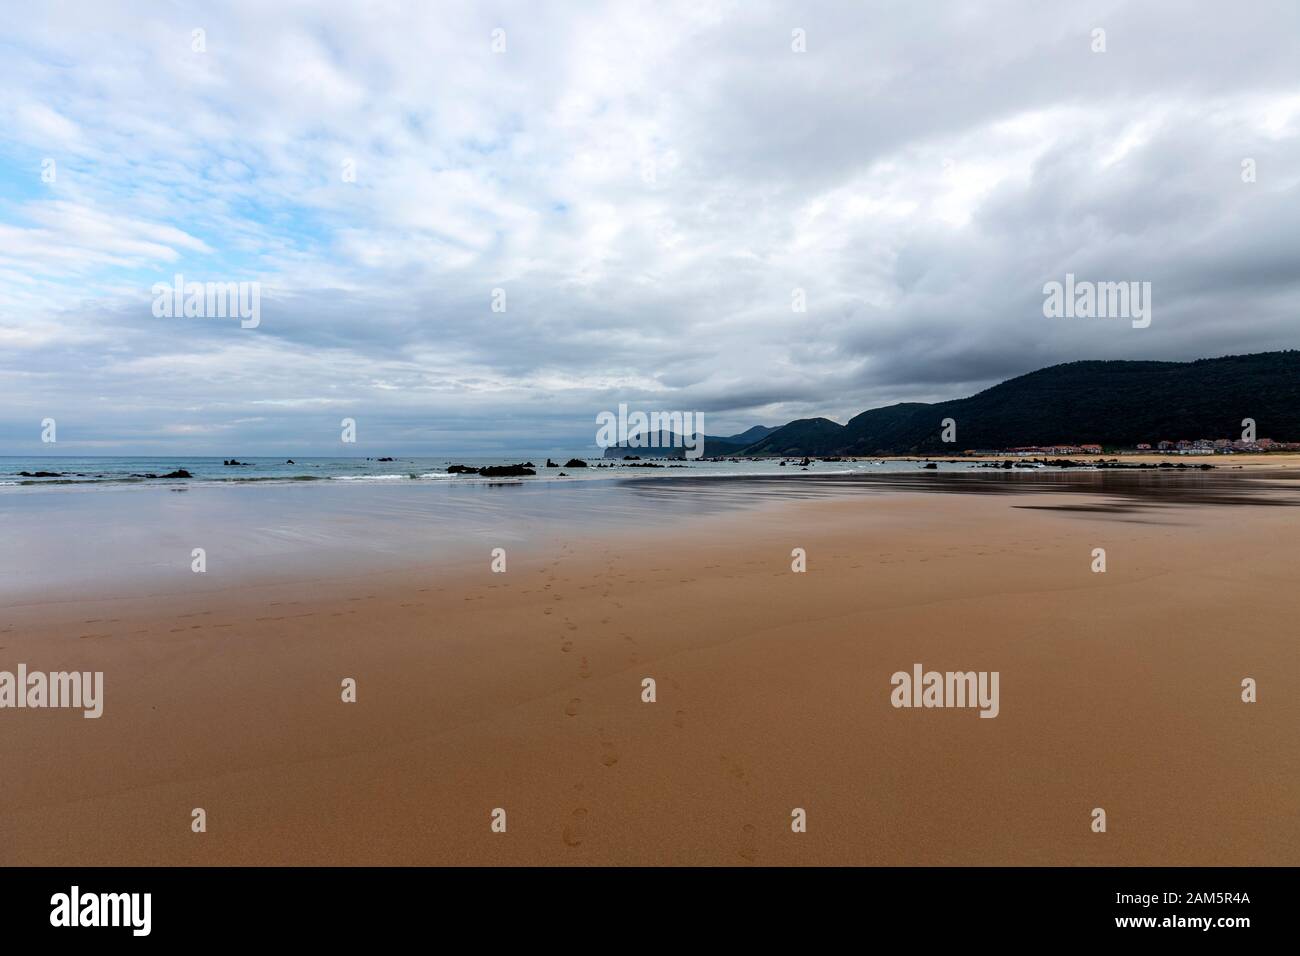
572 708
609 754
584 670
734 769
748 842
679 719
566 646
576 829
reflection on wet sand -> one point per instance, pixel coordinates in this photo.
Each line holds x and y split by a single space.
1121 491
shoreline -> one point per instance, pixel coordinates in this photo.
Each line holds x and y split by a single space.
603 469
138 544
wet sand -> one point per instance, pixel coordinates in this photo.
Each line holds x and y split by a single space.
522 691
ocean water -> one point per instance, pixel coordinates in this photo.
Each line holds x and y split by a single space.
107 533
102 525
69 471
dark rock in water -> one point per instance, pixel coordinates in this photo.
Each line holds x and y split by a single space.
493 471
383 459
233 461
931 465
178 473
290 461
575 463
551 464
631 457
505 471
529 464
41 474
563 475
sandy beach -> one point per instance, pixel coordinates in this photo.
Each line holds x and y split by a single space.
1273 461
522 690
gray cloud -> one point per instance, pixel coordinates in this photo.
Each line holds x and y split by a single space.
648 184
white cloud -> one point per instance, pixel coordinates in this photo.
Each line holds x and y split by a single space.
647 182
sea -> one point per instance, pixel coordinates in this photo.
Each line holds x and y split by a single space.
59 470
112 527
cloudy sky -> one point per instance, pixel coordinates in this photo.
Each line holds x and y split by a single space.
647 183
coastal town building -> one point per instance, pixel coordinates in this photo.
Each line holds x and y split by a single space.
1183 446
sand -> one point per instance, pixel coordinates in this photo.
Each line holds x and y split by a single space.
1272 461
522 691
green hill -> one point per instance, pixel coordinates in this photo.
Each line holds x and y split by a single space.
1115 404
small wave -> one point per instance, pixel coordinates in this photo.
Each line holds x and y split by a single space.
75 481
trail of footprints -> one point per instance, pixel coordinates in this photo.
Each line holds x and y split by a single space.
576 827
